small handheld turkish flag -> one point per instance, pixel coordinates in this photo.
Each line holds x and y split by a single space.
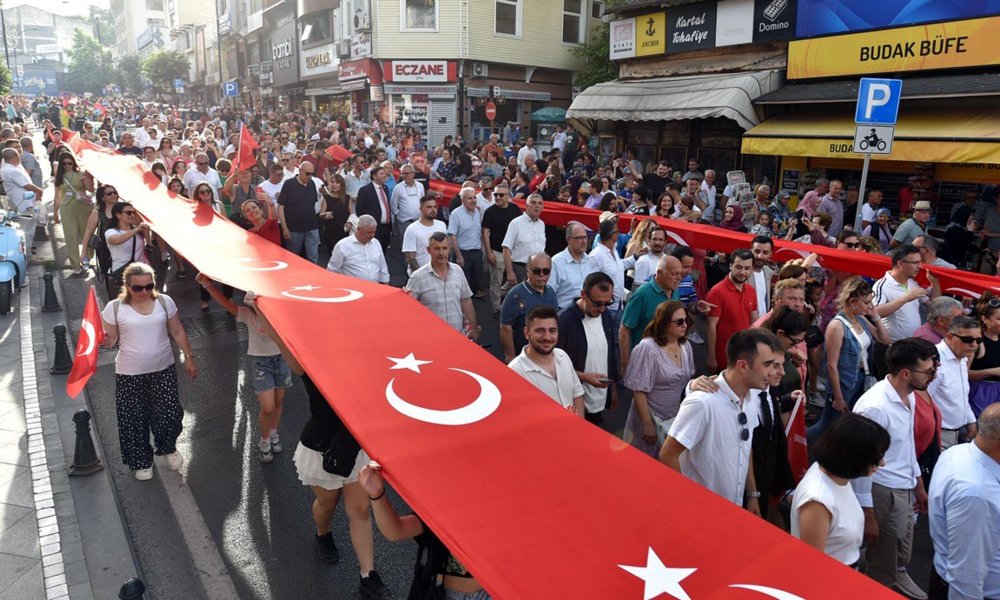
338 154
244 157
91 336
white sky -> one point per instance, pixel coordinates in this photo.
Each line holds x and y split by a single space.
62 7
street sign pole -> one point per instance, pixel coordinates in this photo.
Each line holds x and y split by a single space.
861 193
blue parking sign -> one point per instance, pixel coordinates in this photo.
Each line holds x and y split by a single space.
878 101
230 88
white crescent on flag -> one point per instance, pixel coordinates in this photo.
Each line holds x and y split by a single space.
88 328
483 406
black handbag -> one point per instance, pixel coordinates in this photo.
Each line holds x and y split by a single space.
432 555
928 459
342 453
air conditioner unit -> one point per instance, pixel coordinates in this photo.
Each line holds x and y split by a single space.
362 20
343 48
480 69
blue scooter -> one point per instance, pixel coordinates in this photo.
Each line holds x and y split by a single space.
13 264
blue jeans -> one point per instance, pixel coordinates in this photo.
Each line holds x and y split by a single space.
309 239
830 413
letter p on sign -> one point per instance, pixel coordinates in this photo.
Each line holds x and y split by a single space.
878 101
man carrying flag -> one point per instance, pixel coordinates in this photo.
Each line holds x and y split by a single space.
85 359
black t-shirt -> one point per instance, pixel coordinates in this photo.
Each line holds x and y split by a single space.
655 185
323 423
133 150
497 220
851 214
300 205
990 359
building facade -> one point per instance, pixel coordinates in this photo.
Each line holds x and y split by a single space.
36 47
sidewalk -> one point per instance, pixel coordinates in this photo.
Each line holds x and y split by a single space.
60 537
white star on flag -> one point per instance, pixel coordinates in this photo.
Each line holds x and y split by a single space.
408 362
659 579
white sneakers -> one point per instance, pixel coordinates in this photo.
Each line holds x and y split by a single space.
144 474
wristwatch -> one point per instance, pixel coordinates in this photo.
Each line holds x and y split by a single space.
753 494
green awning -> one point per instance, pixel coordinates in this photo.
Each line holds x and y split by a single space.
549 114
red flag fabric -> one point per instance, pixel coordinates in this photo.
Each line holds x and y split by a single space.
535 502
795 434
91 336
244 156
338 154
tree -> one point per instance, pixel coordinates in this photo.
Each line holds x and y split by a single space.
128 71
5 79
89 68
104 25
598 67
163 67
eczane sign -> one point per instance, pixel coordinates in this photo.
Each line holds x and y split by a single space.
419 71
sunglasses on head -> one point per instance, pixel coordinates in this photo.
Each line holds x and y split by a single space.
142 288
540 270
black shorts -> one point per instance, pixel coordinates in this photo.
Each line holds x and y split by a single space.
814 337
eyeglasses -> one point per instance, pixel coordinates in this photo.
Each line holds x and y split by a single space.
128 212
142 288
111 192
679 322
911 262
852 245
968 339
540 270
601 304
929 373
501 194
742 420
204 191
795 341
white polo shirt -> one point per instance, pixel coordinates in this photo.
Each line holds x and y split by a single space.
950 389
524 238
708 426
883 405
906 320
562 388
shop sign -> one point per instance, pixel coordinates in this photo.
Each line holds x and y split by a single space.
361 45
774 20
651 34
284 55
321 60
822 17
375 94
967 172
734 22
421 71
622 40
350 86
354 69
953 45
430 90
691 27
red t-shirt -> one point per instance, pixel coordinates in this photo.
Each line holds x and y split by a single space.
270 231
320 163
926 421
733 307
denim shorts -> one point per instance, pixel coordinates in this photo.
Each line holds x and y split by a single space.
270 372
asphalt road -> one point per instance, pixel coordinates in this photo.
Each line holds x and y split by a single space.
233 518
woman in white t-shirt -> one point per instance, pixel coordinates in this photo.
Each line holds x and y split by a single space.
146 398
126 241
271 375
825 512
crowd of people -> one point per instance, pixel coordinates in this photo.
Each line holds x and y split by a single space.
903 381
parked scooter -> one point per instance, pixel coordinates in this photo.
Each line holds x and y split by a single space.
13 262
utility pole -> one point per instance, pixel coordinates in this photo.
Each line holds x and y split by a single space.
3 24
218 43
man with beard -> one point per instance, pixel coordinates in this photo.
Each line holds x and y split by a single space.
735 308
889 496
645 265
762 246
548 368
419 232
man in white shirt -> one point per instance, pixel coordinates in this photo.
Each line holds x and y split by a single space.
525 236
708 186
272 185
16 181
559 139
887 497
710 440
419 232
203 173
950 388
645 265
405 200
868 208
607 261
484 199
898 296
571 266
357 255
527 150
548 368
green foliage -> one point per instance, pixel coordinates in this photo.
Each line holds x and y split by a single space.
128 75
161 68
598 68
104 25
5 79
89 67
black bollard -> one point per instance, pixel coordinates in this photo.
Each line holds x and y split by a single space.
41 234
64 360
85 461
133 589
51 301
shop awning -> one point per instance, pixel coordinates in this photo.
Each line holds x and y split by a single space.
962 85
947 135
674 98
549 114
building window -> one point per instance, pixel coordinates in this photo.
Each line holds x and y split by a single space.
573 21
597 9
418 15
508 17
315 28
156 5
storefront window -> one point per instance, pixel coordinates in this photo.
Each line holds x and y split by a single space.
760 168
410 110
418 15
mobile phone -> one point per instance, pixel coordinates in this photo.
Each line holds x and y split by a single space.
606 380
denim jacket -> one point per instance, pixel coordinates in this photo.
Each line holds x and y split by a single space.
849 363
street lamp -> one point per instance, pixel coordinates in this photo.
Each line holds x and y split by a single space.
3 25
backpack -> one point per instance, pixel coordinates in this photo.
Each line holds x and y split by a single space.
432 556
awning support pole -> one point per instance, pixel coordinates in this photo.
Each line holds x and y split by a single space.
861 193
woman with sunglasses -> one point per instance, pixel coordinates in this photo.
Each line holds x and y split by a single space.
146 398
658 369
72 207
98 223
984 372
126 241
848 351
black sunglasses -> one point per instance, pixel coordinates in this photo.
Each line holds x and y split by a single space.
968 339
601 304
143 288
745 432
680 322
109 192
128 212
540 271
853 245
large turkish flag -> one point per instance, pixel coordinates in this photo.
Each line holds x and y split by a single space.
536 502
